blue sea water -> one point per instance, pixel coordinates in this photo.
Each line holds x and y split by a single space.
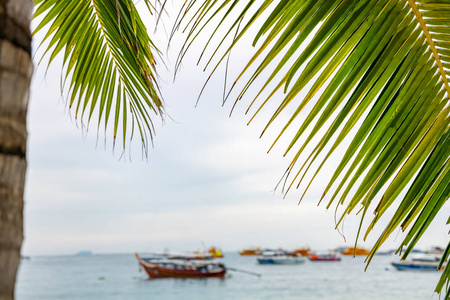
117 277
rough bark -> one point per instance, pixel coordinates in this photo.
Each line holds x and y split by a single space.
15 74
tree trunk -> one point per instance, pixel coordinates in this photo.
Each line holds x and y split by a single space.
15 73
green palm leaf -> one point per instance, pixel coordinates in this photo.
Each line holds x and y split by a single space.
376 67
108 59
445 257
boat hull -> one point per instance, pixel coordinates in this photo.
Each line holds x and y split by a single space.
182 269
415 267
155 272
325 259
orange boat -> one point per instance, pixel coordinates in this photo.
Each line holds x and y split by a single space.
302 251
256 251
355 251
179 268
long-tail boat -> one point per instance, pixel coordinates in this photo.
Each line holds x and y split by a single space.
181 268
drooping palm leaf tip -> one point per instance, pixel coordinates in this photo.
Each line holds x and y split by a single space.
444 278
108 59
375 73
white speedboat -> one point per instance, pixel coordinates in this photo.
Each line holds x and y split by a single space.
419 263
280 258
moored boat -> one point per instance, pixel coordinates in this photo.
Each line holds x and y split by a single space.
355 251
419 263
303 251
256 251
181 268
213 252
280 258
324 257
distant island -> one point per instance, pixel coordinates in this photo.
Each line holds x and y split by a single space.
84 253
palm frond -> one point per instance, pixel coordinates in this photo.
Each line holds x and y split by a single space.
376 67
108 59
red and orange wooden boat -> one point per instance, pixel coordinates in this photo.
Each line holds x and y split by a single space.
178 268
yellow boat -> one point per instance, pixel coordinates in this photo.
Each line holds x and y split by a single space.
355 251
212 252
215 252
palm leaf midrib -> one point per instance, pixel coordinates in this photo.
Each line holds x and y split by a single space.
431 44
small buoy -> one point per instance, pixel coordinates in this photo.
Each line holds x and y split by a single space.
386 269
101 278
134 277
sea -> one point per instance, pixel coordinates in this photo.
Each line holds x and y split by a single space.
117 277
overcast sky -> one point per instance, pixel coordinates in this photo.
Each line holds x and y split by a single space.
208 180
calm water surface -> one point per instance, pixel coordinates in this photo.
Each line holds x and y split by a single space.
117 276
